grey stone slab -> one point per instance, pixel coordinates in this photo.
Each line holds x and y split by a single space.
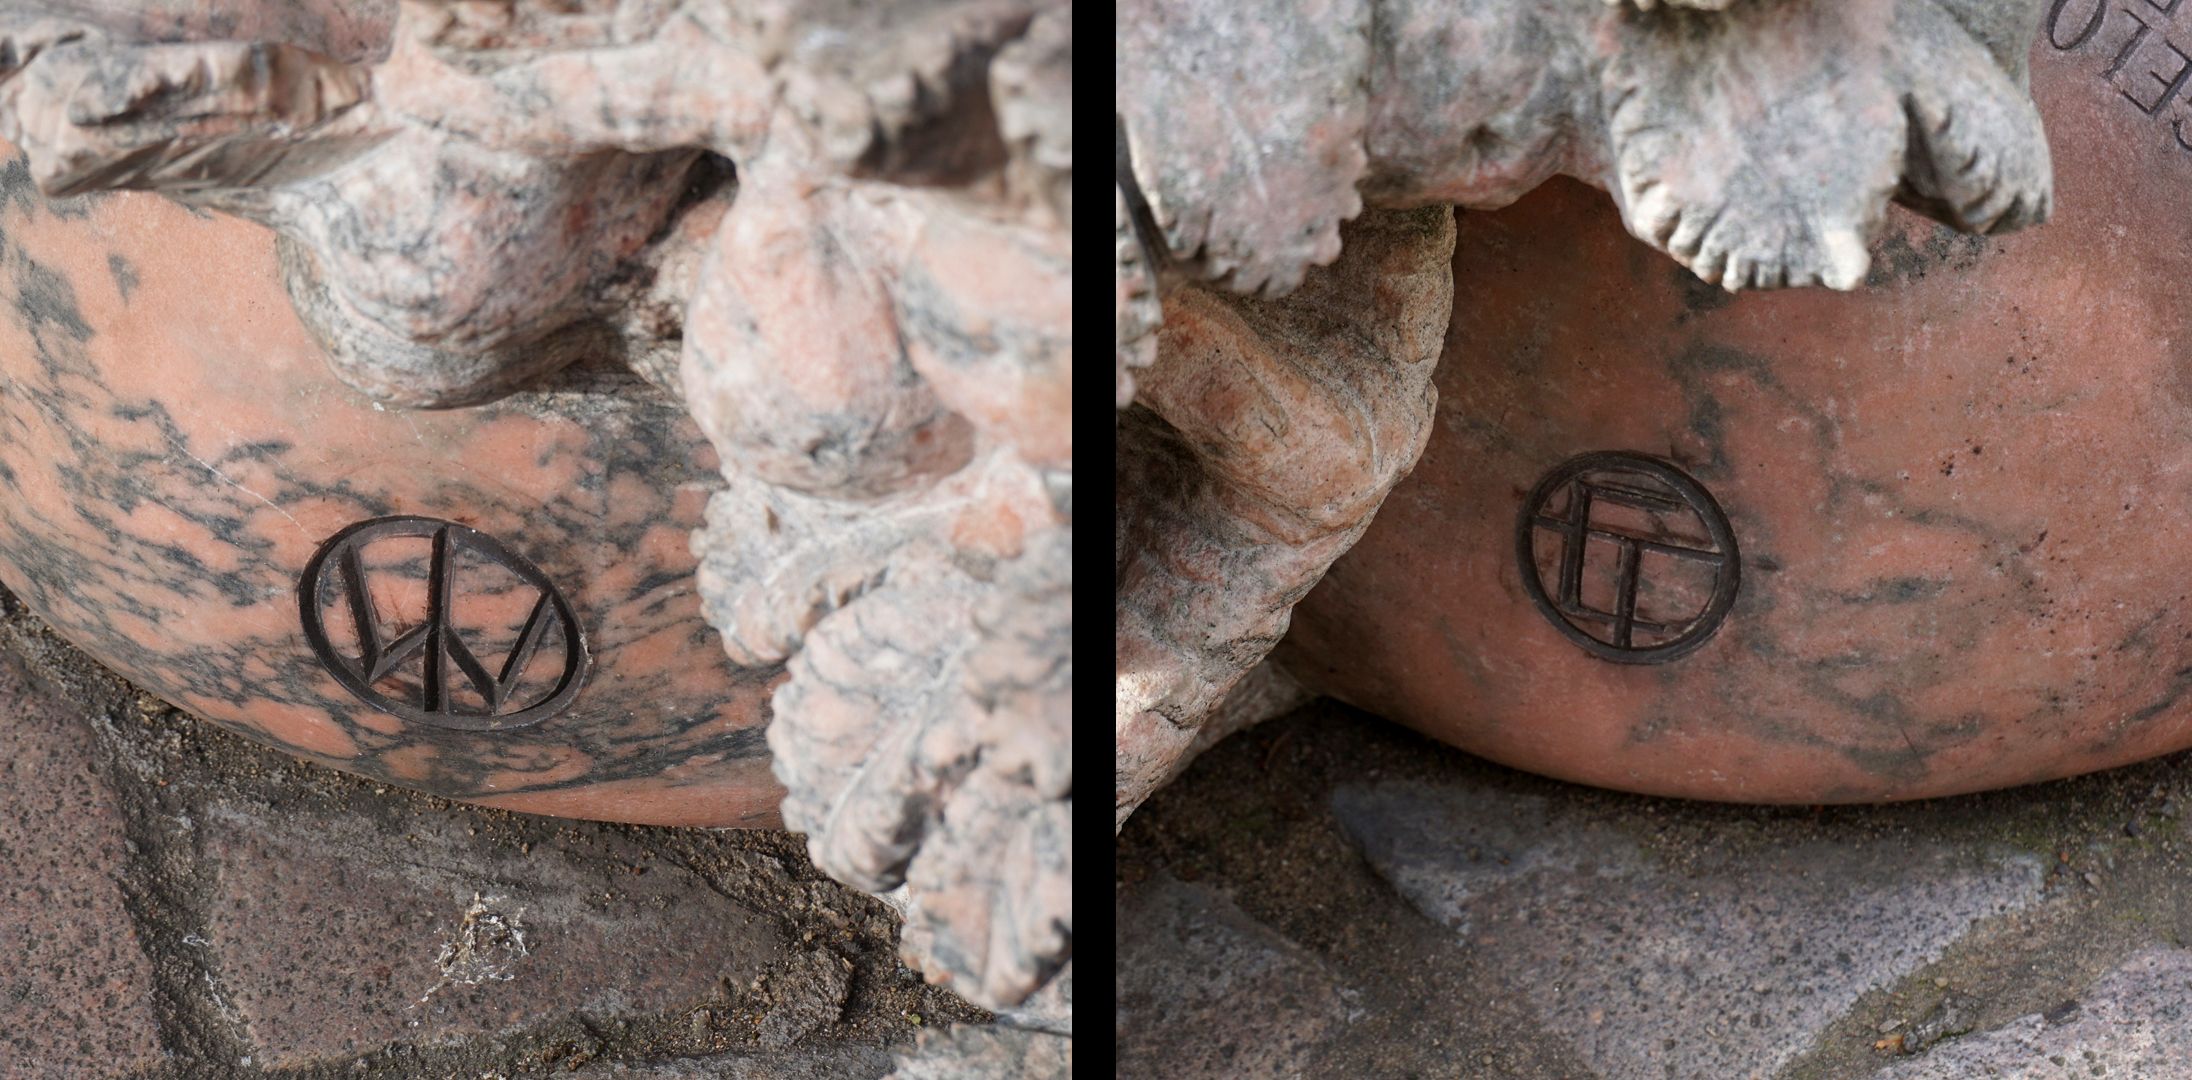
334 936
2134 1023
812 994
1205 991
75 985
1727 969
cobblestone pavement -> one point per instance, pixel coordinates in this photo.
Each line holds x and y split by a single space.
176 902
1330 895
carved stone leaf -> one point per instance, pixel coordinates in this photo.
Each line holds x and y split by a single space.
1245 125
1475 102
1759 146
619 76
924 738
773 562
98 115
1978 157
1756 151
441 269
868 736
1031 86
435 270
992 889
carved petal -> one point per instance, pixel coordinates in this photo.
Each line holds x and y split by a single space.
1759 146
861 737
923 738
992 888
1245 123
984 308
1978 158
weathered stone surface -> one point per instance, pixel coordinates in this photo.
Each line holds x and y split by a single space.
875 336
1772 949
1207 992
1945 489
923 729
1254 820
2136 1021
967 1052
191 797
76 992
332 937
810 994
1263 440
1031 87
850 1063
1758 145
1248 177
1138 310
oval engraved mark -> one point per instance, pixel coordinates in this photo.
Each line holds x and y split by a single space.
339 582
1641 537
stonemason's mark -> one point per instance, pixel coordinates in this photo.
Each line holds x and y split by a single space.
2146 66
438 638
1651 509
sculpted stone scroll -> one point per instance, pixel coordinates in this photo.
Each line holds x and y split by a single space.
1244 474
840 234
1758 143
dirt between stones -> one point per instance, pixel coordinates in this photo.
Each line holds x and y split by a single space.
835 991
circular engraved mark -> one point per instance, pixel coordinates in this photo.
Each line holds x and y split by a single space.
437 641
1642 538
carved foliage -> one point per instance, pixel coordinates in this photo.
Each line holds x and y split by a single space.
1245 126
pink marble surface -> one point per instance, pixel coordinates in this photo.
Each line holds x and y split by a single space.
173 448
